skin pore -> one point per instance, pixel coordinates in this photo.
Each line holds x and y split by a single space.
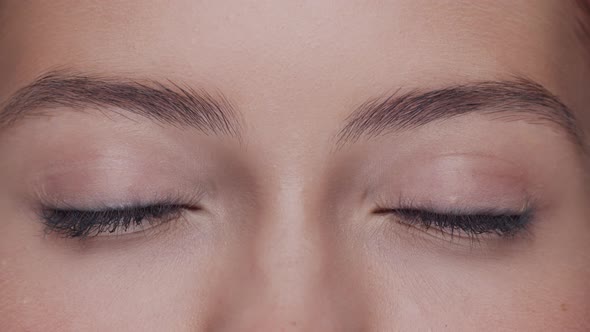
294 166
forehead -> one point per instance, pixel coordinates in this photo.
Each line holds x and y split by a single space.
315 50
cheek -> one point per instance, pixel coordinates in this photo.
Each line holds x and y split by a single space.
131 289
107 298
540 308
420 302
416 289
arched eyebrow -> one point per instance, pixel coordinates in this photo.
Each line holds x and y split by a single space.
166 103
173 104
517 99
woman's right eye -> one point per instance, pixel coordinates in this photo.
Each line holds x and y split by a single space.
77 223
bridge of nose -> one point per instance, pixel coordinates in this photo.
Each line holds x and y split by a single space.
293 281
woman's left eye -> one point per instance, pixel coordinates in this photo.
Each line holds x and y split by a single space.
74 223
472 225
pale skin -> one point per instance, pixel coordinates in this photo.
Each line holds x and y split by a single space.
280 229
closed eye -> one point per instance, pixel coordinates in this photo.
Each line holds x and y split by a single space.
77 223
472 225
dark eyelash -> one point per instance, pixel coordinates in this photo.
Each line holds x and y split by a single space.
501 223
74 223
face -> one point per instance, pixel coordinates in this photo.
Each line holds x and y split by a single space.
296 166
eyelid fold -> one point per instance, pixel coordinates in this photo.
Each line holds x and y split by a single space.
451 183
458 194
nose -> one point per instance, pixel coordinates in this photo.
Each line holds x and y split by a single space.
296 279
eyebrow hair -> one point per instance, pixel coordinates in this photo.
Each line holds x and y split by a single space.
166 104
517 99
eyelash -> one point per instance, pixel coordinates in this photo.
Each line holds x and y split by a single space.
74 223
461 223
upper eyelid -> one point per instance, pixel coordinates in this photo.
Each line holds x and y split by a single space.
191 200
119 209
410 202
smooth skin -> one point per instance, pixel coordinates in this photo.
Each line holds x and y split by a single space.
286 240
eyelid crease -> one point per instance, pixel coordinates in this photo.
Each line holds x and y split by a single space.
42 199
407 203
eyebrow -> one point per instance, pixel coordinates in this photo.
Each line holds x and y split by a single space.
516 99
163 103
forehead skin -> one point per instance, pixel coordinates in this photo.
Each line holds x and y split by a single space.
296 69
257 51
